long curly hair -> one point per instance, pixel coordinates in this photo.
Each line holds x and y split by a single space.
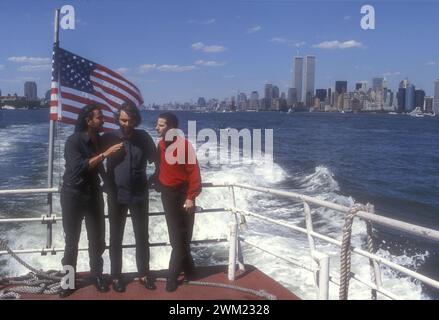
131 110
85 115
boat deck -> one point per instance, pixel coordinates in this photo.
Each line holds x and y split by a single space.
252 279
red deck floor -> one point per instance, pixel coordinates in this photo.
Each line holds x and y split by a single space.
252 278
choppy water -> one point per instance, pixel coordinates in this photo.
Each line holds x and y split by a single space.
391 161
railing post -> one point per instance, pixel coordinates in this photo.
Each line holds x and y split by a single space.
309 227
321 275
232 250
239 221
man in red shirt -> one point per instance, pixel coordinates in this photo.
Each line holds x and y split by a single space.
180 183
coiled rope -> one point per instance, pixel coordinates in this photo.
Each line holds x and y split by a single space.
35 282
40 282
258 293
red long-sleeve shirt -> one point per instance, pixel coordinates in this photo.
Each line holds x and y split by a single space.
185 168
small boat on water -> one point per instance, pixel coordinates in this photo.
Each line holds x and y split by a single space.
417 112
6 107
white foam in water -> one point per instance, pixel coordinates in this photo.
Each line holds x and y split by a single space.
283 242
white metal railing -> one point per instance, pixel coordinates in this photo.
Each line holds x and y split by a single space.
321 267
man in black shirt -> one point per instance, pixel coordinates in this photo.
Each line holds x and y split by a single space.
81 197
127 188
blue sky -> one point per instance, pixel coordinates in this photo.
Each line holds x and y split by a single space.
180 50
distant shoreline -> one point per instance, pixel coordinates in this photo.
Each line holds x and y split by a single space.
251 111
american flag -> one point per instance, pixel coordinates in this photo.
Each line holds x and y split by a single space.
77 82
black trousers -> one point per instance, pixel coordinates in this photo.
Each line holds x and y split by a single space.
139 217
77 206
180 227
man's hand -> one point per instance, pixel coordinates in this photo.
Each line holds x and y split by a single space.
189 206
113 149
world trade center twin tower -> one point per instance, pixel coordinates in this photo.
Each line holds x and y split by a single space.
304 74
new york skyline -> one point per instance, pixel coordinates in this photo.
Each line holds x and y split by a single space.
181 51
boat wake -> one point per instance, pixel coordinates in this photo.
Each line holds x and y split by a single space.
284 242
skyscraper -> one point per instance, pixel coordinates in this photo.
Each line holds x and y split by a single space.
30 90
254 100
401 99
419 99
292 97
268 95
242 101
410 98
321 94
275 92
298 75
428 106
377 84
310 64
390 99
201 102
341 87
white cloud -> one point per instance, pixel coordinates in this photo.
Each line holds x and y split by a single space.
174 68
389 74
432 63
165 68
209 63
338 45
34 67
122 70
205 48
197 46
30 60
278 40
347 17
254 29
288 42
209 21
147 67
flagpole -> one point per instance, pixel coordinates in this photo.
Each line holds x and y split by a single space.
51 147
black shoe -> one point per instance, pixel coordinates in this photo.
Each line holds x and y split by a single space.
101 284
64 293
171 285
119 285
149 283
